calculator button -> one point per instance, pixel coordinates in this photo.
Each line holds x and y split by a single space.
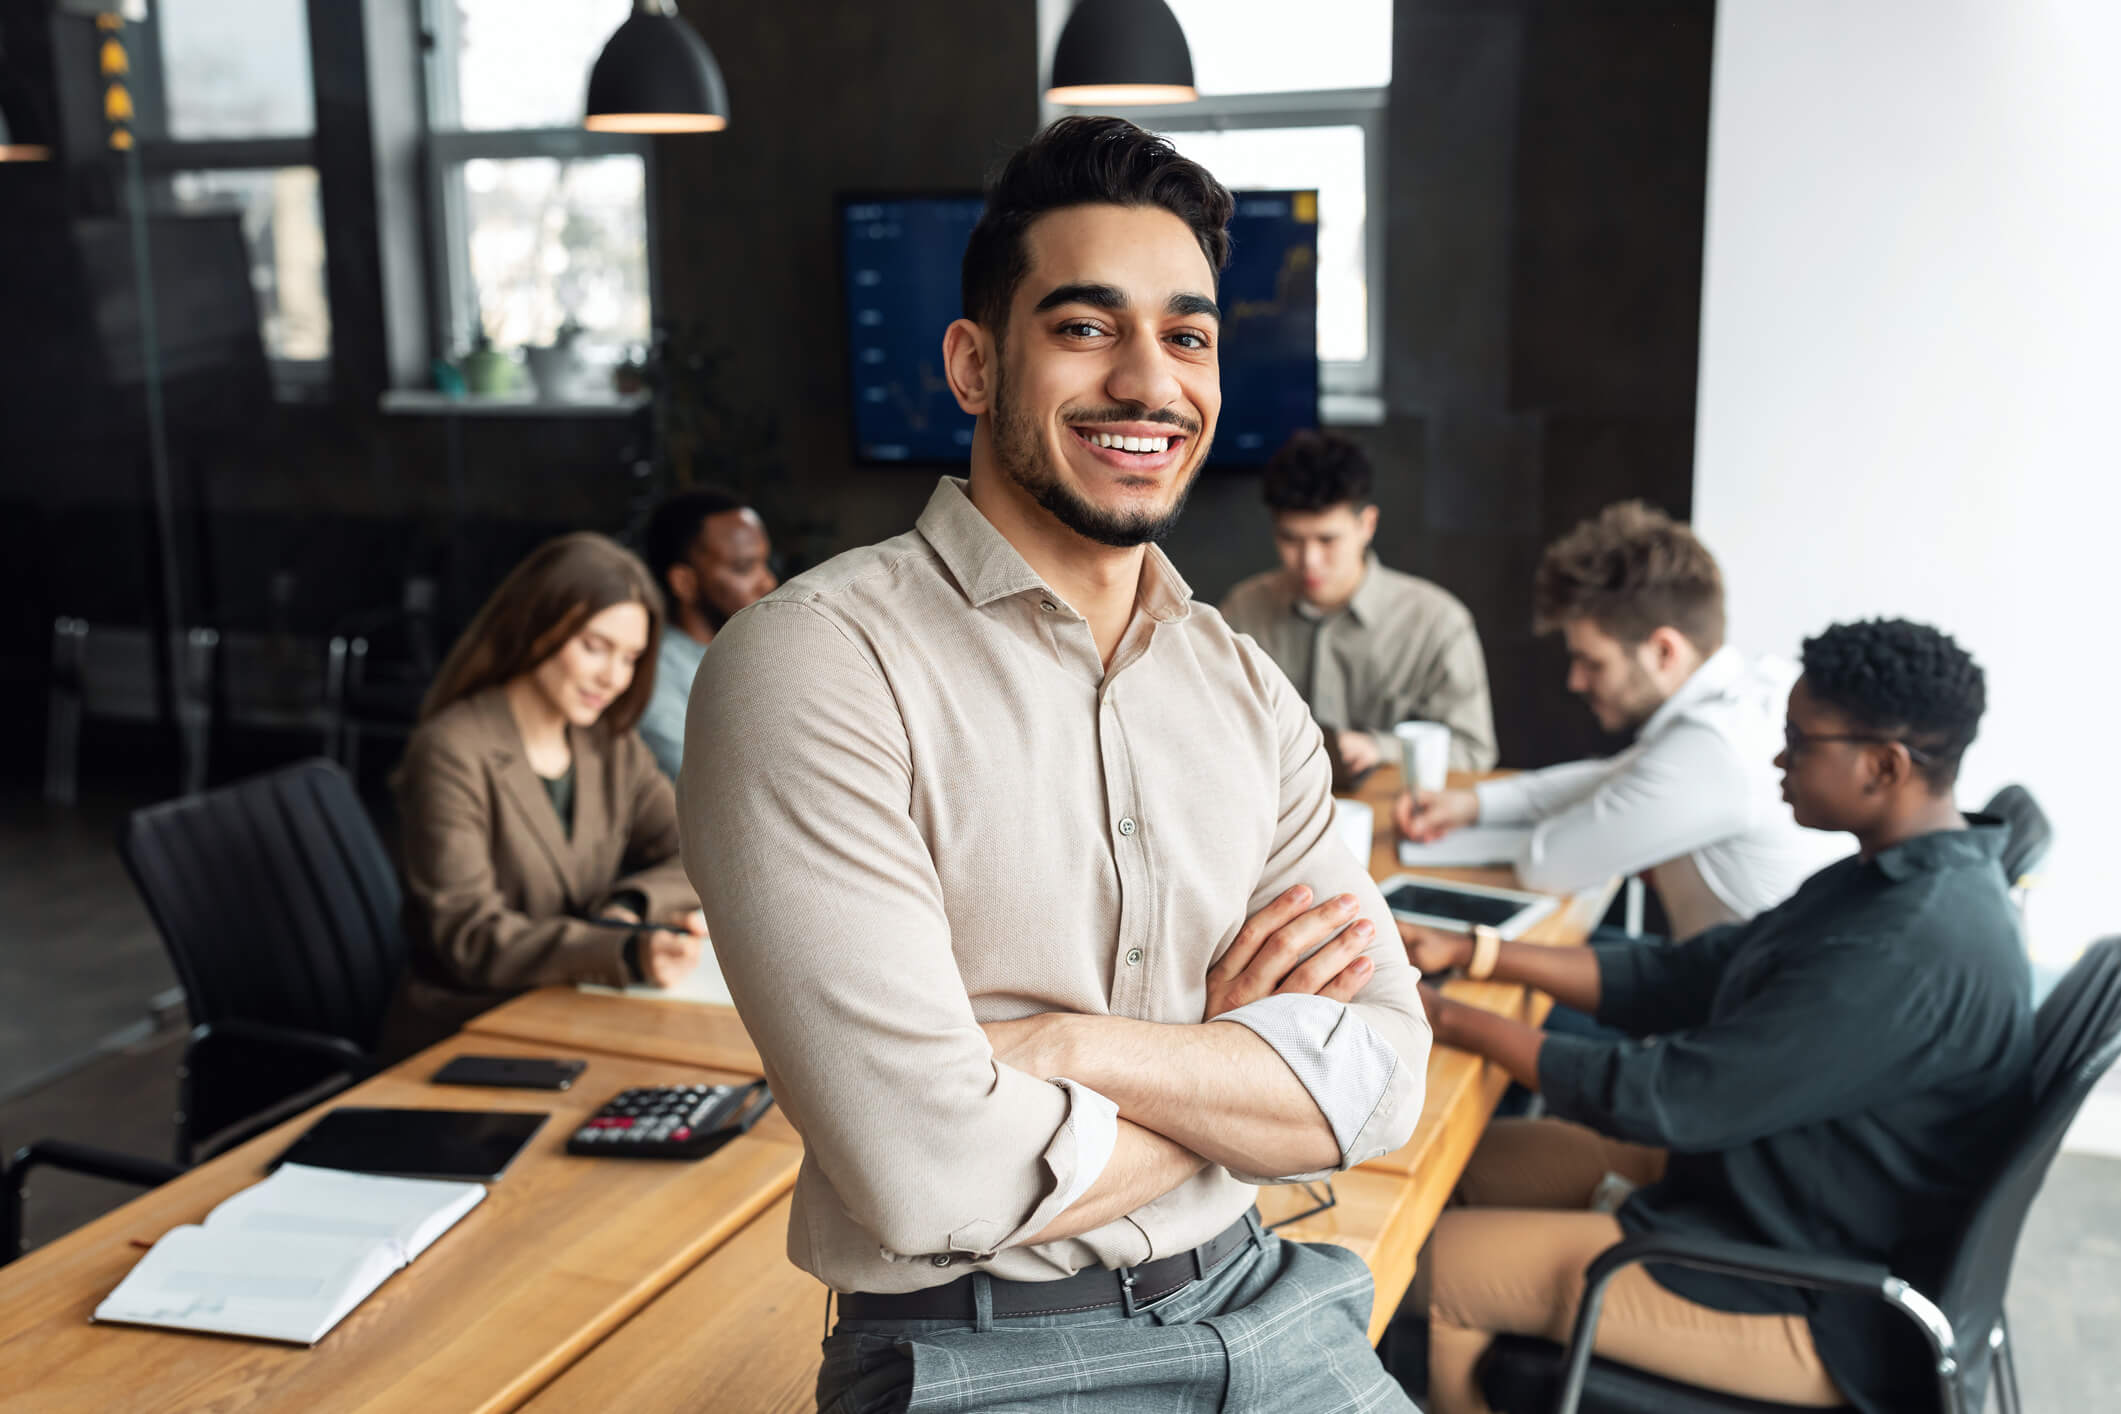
682 1133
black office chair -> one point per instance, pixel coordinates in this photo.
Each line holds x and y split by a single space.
2030 834
75 1158
279 907
2078 1038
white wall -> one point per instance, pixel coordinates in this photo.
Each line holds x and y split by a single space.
1911 346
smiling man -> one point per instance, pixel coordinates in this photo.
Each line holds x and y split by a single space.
1021 869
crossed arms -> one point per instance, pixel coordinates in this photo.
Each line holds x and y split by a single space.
936 1134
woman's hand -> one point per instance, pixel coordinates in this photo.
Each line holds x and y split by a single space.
669 958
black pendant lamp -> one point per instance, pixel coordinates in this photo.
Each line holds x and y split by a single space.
1120 53
656 75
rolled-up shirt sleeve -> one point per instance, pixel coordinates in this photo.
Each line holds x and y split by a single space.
1365 1062
827 919
1684 789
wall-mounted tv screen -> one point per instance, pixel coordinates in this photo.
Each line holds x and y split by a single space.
899 268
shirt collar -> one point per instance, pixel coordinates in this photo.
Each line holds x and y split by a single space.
1715 675
987 567
1365 604
1980 843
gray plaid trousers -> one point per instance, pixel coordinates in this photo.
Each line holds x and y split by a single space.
1279 1326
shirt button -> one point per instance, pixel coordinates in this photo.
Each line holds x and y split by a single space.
1134 957
1049 606
941 1259
1126 824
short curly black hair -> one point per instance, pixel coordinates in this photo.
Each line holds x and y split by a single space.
675 525
1904 679
1084 161
1315 470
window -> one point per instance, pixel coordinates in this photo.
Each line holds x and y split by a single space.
1304 111
226 121
536 222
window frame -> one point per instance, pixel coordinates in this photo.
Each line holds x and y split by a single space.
299 380
446 146
1343 383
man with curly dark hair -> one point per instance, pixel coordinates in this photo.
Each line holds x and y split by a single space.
1368 647
1834 1077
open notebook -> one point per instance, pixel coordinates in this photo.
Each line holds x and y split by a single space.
287 1258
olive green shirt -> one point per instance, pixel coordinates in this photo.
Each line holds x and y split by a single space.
1402 649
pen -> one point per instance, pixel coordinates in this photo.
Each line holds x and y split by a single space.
623 926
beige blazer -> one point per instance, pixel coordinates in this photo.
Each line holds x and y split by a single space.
494 889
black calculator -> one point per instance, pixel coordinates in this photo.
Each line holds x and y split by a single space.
671 1121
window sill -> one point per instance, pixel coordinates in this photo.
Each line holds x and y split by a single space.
1351 410
425 402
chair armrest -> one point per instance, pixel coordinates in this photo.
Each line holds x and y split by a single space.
335 1049
96 1163
1737 1259
75 1158
1757 1263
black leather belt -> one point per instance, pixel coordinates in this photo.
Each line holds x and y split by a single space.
1088 1290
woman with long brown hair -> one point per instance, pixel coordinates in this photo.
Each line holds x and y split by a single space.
530 806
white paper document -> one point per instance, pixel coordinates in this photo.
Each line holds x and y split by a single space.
287 1258
705 984
1473 847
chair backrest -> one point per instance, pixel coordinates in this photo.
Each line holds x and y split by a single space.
2030 833
2077 1038
277 901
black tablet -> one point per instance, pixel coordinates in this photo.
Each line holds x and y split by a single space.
468 1144
1444 903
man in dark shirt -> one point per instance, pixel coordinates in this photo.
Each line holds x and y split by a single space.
1836 1076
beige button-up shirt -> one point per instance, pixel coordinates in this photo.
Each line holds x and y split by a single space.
1402 649
932 805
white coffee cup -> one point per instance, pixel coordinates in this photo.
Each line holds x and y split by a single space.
1424 754
1355 822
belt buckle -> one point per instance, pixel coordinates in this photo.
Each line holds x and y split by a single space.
1127 1308
1130 1306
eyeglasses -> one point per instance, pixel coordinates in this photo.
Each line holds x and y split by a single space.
1795 739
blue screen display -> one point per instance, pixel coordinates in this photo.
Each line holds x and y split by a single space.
899 265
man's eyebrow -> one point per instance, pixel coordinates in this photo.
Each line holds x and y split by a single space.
1184 305
1096 296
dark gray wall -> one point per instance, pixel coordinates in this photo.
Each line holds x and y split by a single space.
829 96
1548 170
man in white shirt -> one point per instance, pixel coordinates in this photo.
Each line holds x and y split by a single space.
1694 801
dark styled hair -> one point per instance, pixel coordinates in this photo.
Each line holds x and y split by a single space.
1631 569
1083 161
1905 680
1315 470
675 525
545 600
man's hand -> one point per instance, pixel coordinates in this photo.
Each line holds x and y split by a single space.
1433 950
669 958
1425 815
1267 955
1358 752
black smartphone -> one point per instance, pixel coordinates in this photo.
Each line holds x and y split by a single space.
510 1072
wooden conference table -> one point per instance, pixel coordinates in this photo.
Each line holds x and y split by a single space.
589 1285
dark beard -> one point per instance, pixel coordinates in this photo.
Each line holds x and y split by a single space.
1018 453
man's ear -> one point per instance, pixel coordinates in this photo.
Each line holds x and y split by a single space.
684 584
1366 518
1666 645
968 362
